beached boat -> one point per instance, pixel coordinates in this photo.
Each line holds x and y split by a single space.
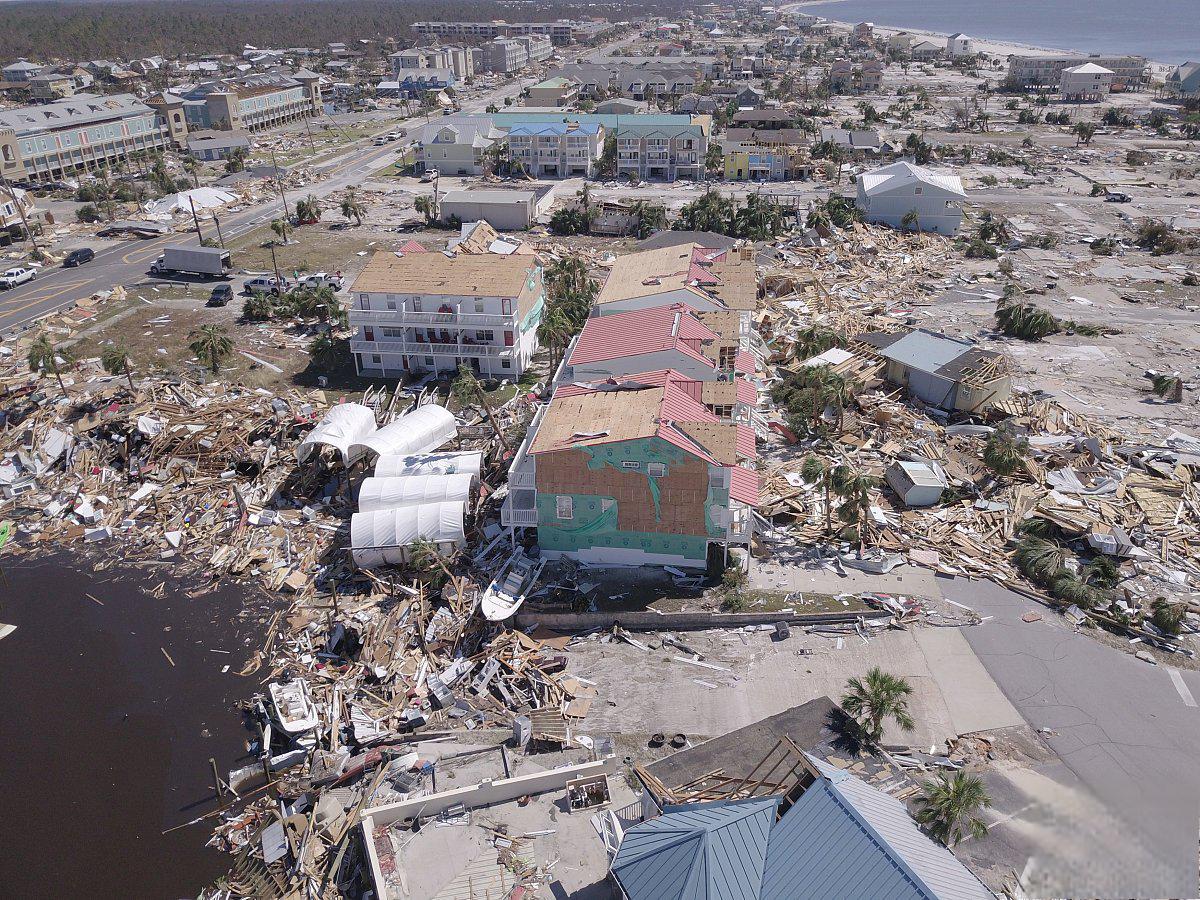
507 591
292 708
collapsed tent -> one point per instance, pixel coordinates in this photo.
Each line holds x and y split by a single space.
468 461
420 431
414 490
383 538
344 425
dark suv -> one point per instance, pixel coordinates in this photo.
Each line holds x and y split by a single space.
220 295
79 257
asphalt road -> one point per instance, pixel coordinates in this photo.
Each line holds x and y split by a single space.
1127 730
129 262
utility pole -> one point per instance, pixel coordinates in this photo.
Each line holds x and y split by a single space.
20 209
275 266
283 196
196 219
220 239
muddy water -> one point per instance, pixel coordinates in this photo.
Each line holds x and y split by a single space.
105 741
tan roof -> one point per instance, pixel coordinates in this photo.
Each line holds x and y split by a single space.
605 415
726 324
718 393
671 268
469 275
720 440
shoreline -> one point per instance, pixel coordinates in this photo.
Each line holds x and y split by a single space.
994 46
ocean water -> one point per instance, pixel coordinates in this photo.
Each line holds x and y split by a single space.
1162 30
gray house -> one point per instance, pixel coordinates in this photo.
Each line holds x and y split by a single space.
945 372
888 194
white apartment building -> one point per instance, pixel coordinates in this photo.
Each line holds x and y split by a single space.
430 312
1089 82
1128 71
457 59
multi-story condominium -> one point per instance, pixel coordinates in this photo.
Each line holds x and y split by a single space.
80 132
667 151
429 312
560 150
537 47
503 56
253 102
562 32
634 471
457 59
1046 71
770 159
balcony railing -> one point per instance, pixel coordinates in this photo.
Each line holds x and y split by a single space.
522 517
398 318
425 348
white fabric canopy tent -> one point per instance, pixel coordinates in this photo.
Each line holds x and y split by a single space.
468 461
181 204
382 538
344 425
421 431
414 490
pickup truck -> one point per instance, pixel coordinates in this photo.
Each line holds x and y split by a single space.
324 279
14 277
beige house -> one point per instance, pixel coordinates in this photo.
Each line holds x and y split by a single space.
556 91
1088 82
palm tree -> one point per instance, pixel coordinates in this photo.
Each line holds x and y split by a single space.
328 352
949 807
236 160
192 166
911 220
115 359
211 344
279 226
42 355
1169 387
308 209
325 306
467 389
815 469
854 490
555 332
1041 559
259 307
1085 131
426 207
585 203
351 208
877 697
1004 453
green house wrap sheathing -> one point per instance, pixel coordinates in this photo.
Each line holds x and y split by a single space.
594 521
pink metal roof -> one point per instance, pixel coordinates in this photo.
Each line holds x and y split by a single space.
411 246
746 445
743 485
642 331
745 362
746 392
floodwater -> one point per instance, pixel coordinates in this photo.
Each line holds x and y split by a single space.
106 742
1166 31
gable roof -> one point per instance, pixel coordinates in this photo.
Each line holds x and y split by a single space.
846 839
928 351
1088 69
641 331
709 851
716 275
899 175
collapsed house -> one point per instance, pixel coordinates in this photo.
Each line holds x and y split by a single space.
949 373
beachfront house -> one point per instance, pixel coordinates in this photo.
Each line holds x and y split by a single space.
1086 83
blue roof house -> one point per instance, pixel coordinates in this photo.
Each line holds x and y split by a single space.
840 839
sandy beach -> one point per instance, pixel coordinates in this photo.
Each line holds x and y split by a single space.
982 44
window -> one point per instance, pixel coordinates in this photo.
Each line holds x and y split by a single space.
656 470
376 358
630 464
564 507
429 360
508 339
416 304
484 336
391 304
478 306
506 363
506 306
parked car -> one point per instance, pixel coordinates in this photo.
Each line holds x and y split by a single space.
220 295
79 257
429 176
1117 197
18 276
266 284
323 279
380 141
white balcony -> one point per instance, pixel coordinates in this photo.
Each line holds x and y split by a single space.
425 348
399 318
510 517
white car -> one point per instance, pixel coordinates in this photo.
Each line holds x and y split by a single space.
324 279
13 277
265 284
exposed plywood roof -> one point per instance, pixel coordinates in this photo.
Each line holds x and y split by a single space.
469 275
709 273
599 417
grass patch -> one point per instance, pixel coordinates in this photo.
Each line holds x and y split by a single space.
312 248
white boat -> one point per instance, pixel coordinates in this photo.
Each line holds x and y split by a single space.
507 591
292 708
